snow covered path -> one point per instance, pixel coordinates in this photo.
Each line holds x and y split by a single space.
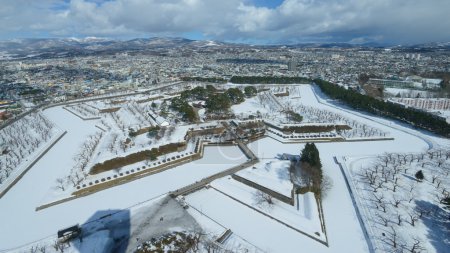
21 224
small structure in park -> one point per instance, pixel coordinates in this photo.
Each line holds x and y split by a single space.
158 119
69 233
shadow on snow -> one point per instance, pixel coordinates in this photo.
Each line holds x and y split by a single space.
438 224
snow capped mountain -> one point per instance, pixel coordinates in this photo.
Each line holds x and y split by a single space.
94 44
55 47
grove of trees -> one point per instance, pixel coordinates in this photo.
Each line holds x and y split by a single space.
204 79
395 111
250 91
268 80
311 167
217 103
235 95
223 101
181 105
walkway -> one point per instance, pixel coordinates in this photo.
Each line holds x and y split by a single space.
202 183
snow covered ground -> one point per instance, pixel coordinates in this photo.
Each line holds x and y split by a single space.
303 215
115 138
123 230
344 231
21 143
272 174
272 106
26 195
393 201
256 228
249 106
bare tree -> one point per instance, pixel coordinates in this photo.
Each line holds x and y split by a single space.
411 197
399 219
370 176
377 186
263 199
379 199
43 249
393 238
60 183
421 211
413 217
433 178
383 207
383 219
416 246
396 201
326 185
58 246
412 187
395 184
33 249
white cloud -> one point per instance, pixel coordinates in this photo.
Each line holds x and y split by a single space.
293 21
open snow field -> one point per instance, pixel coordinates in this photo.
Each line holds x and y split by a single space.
256 228
29 192
303 215
21 143
273 174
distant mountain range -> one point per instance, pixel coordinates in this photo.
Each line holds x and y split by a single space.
46 48
51 47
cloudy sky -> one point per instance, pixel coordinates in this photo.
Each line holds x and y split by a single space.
249 21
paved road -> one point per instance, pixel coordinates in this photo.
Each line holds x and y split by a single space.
11 121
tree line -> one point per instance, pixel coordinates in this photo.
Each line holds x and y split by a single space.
203 79
268 80
391 110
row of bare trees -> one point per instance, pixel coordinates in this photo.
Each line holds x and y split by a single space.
85 110
117 120
80 170
140 113
21 139
316 115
